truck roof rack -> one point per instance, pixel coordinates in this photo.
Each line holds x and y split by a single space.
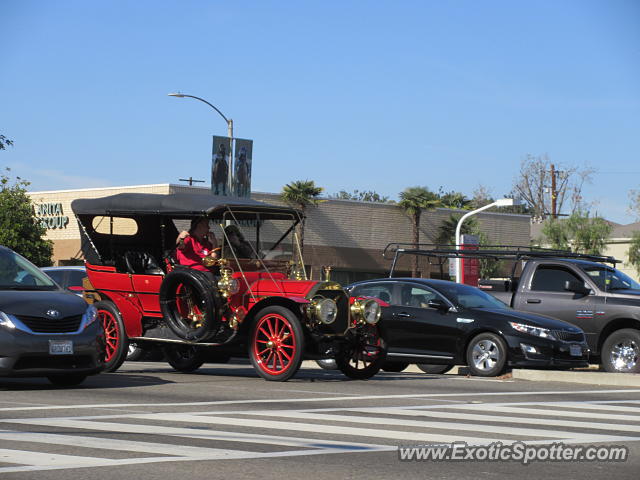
495 252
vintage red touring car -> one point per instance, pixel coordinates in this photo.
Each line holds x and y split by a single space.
259 305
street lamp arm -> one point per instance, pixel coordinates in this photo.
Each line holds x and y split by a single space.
202 100
502 202
467 215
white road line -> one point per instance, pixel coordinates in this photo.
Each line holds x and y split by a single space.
101 443
320 399
205 434
459 427
557 413
594 406
316 428
101 462
502 419
43 459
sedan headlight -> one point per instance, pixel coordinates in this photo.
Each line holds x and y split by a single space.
6 322
90 315
368 311
531 330
324 310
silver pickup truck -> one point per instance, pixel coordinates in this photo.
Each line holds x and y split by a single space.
580 289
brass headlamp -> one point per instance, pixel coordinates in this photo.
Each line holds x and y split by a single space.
227 284
323 310
366 311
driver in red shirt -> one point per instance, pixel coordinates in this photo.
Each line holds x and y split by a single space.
196 244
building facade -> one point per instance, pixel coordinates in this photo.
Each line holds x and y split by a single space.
348 236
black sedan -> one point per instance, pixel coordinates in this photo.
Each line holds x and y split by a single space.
445 323
44 330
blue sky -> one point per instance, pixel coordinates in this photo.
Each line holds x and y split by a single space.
369 95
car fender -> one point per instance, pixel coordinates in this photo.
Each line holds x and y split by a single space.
131 315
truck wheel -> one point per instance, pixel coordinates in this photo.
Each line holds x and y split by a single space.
116 341
486 355
276 343
621 352
394 366
434 369
189 303
363 355
183 358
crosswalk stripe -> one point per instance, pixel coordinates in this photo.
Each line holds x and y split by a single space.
474 427
318 428
593 406
111 444
42 459
552 422
556 413
199 434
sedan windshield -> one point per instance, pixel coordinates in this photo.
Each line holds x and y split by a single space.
17 273
610 279
469 297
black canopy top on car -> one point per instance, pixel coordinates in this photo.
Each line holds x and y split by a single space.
155 231
180 205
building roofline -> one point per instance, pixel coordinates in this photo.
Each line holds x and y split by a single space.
102 188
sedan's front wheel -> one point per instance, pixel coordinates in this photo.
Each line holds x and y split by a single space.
487 355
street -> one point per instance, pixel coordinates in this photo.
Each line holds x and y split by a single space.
148 421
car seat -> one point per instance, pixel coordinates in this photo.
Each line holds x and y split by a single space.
141 263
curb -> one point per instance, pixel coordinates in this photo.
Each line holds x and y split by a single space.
593 378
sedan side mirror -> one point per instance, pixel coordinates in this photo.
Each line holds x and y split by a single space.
438 304
577 287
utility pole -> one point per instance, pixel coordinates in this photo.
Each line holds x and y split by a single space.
190 180
554 193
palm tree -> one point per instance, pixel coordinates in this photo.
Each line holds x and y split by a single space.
413 200
301 194
447 229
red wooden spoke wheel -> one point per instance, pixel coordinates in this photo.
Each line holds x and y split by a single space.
111 334
116 342
276 344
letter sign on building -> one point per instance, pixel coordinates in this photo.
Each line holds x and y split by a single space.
51 215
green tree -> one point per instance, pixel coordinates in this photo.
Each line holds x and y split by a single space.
454 199
413 201
5 142
634 251
19 228
361 196
579 233
447 229
302 194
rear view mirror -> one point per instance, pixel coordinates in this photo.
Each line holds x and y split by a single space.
438 304
577 287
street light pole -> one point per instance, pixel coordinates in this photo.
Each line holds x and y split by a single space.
503 202
229 129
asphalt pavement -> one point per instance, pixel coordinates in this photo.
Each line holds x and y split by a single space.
223 421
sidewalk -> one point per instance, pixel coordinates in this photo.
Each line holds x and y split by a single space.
589 376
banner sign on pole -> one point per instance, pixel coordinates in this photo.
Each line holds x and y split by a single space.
242 168
220 165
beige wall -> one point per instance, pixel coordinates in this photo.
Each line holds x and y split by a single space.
619 248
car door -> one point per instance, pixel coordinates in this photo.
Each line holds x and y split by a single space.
417 329
545 295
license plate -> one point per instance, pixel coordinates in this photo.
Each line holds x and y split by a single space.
575 350
60 347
